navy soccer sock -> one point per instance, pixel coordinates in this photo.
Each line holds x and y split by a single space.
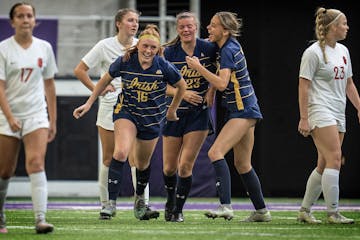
114 178
170 186
182 192
223 181
142 179
253 188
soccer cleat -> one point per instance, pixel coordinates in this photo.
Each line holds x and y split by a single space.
108 211
258 216
307 217
177 217
223 211
168 212
3 223
337 218
150 214
43 227
139 206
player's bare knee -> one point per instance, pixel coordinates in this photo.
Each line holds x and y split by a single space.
214 154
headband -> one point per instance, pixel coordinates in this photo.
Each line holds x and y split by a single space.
151 37
334 20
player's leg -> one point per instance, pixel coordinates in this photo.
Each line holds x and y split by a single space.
9 148
242 161
229 135
107 146
144 148
171 152
124 134
328 141
150 213
191 146
312 193
35 145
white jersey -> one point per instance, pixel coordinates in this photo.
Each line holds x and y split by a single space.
24 71
104 53
328 81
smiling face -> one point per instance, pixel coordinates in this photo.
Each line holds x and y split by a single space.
216 30
129 24
186 29
23 20
148 47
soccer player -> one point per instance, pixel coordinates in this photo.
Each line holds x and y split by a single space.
325 80
27 109
182 140
140 110
102 55
243 112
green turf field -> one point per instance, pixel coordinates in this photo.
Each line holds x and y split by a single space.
84 224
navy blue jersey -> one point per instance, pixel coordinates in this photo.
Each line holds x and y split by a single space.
206 52
143 91
239 93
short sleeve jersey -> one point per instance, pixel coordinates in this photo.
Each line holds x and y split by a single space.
143 91
24 71
328 80
239 93
206 52
104 53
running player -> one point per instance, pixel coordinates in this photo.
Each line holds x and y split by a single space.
102 55
140 110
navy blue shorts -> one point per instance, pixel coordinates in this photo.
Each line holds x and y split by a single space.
143 132
190 121
252 112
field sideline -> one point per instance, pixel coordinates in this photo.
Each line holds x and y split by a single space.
78 219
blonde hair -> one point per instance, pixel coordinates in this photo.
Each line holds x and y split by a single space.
230 22
324 18
151 30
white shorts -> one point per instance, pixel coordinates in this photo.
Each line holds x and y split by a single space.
105 116
322 119
28 125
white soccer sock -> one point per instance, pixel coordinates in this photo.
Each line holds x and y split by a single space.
313 190
330 187
146 190
39 194
3 190
103 184
146 195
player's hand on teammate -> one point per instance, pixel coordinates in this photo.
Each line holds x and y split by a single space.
193 98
